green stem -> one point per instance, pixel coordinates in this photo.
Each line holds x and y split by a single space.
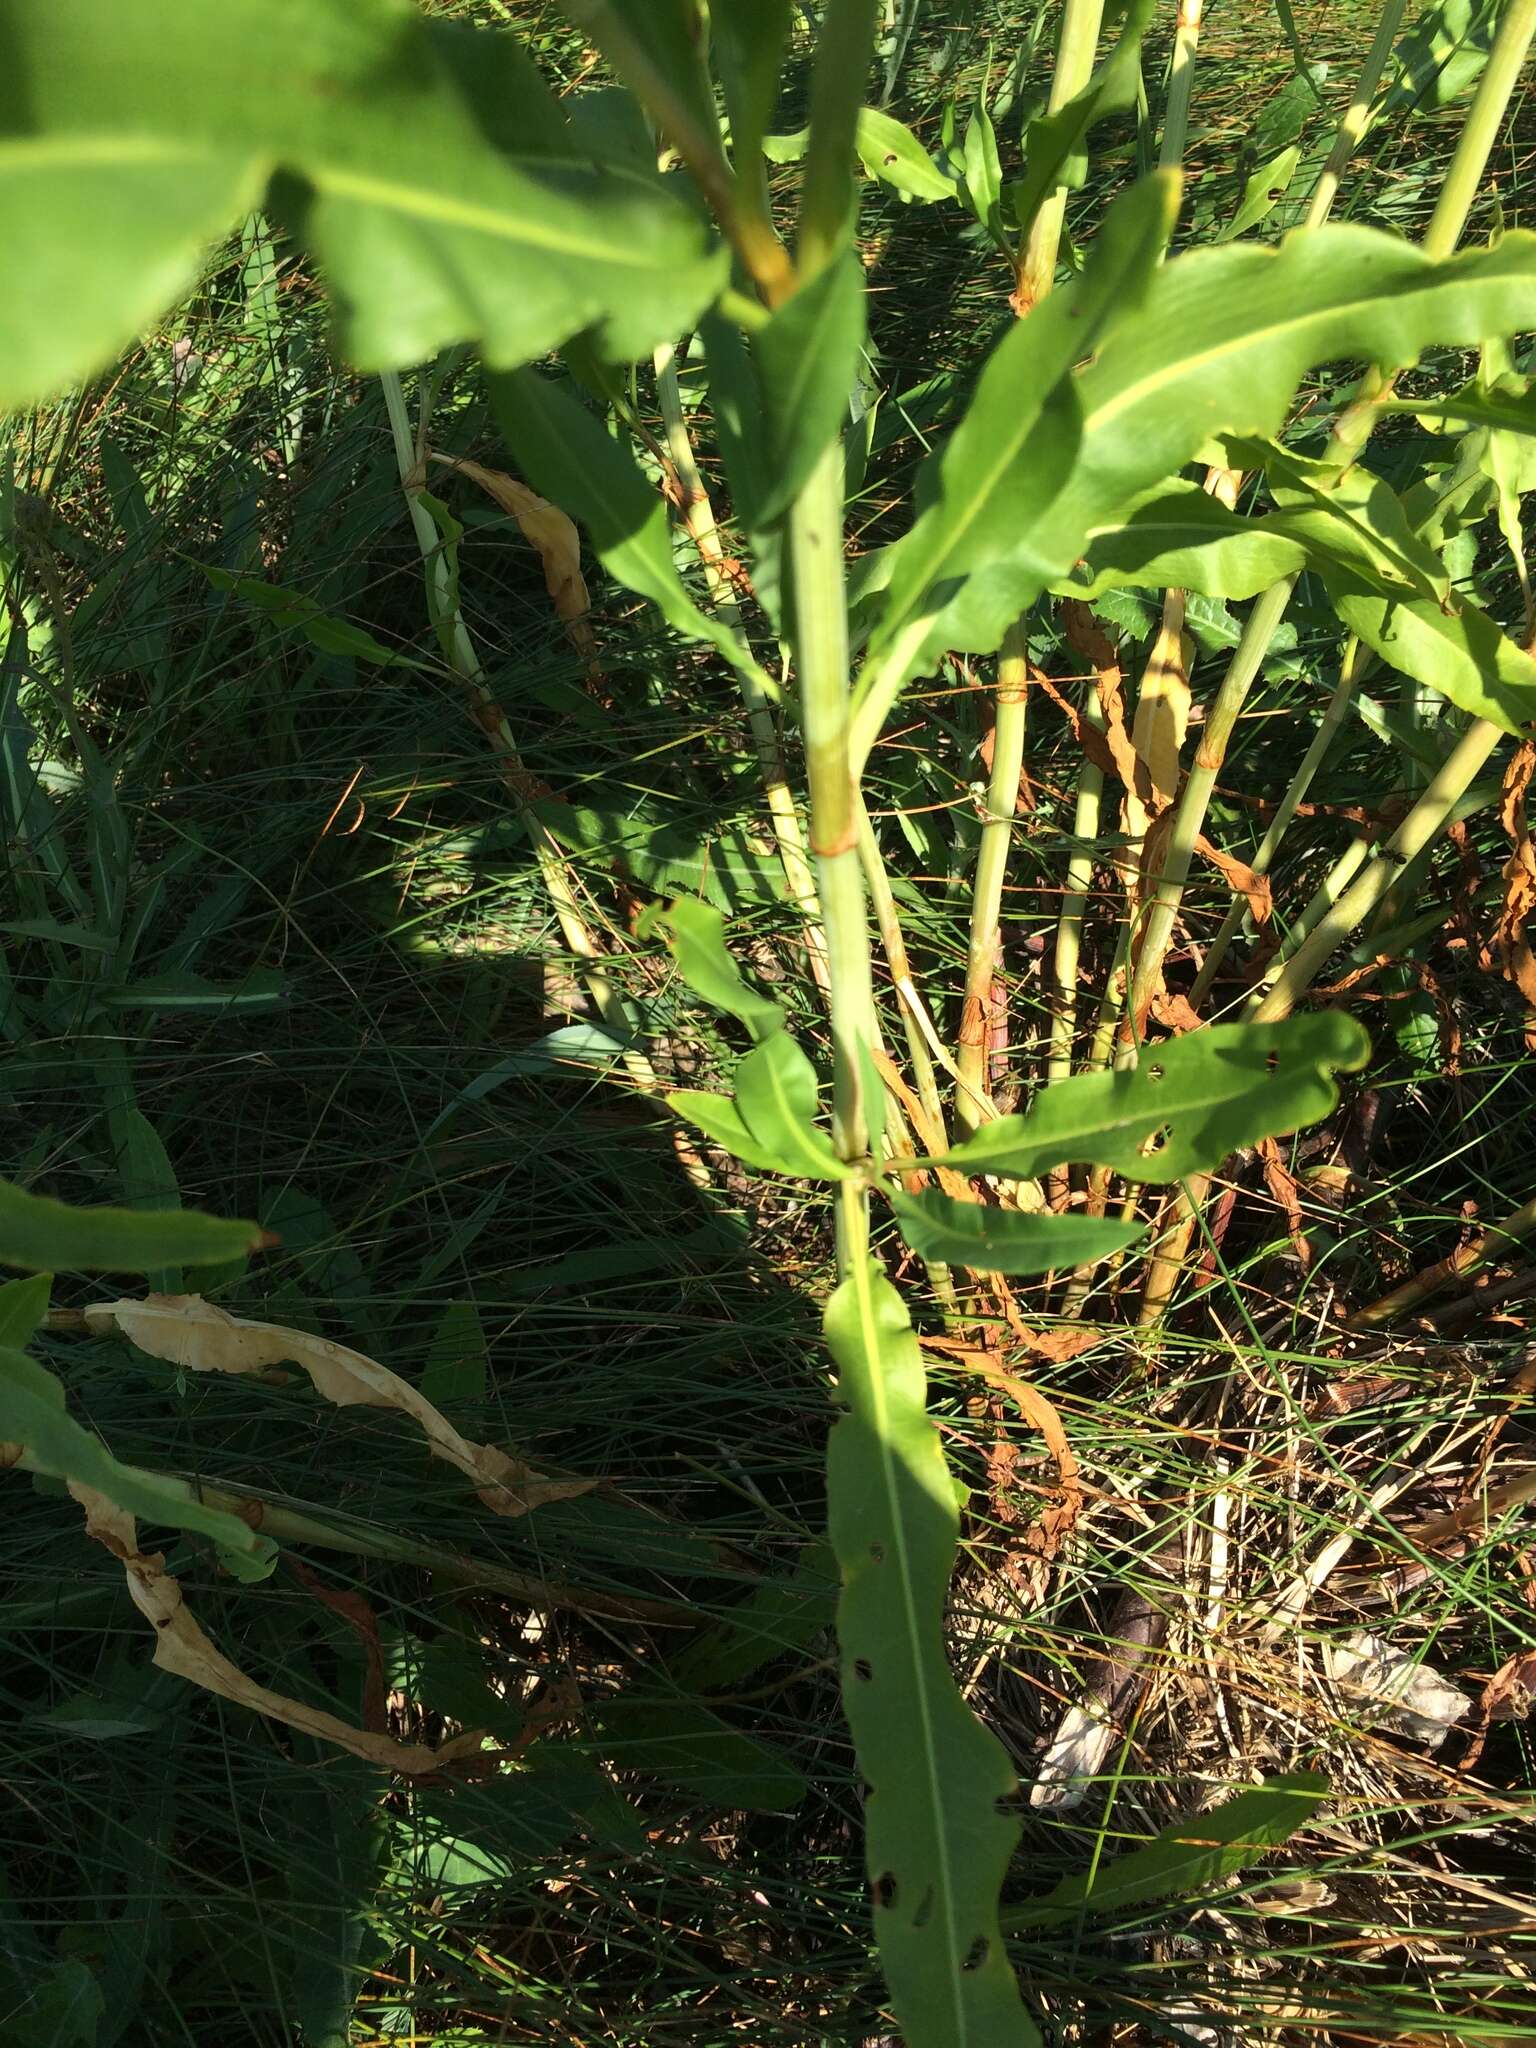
1356 661
1076 45
992 868
894 943
1074 903
843 53
1181 84
1352 126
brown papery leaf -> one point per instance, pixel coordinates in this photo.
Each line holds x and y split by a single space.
197 1335
1241 877
1511 949
548 529
181 1647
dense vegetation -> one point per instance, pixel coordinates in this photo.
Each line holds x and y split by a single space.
479 902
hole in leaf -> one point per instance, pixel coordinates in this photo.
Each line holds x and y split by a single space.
1272 1059
1155 1072
885 1889
924 1911
977 1954
877 1553
863 1670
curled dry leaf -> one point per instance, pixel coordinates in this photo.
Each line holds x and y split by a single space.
1420 1703
549 530
1239 876
181 1647
185 1330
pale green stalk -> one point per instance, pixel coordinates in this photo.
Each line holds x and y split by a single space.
449 617
699 517
1356 661
1356 115
1076 45
909 1001
1181 85
1074 902
991 870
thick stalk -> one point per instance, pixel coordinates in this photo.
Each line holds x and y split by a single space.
1181 84
1352 126
1075 47
699 517
1074 903
821 653
1189 818
1356 660
492 720
991 870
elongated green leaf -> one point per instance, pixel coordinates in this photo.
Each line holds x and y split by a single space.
695 937
1220 342
33 1414
749 45
1188 1857
129 137
571 459
47 1236
1369 522
893 155
776 1093
718 1118
990 1240
983 170
1198 1097
182 991
936 1842
23 1304
1263 191
1440 56
1053 144
1458 650
807 359
981 486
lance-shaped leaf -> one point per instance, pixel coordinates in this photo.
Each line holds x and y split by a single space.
575 462
37 1431
1188 1857
695 937
749 45
720 1120
893 155
776 1093
1190 1102
1219 344
131 137
1456 650
936 1841
1053 144
807 358
43 1235
991 1240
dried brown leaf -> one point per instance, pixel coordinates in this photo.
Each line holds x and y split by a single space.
546 528
197 1335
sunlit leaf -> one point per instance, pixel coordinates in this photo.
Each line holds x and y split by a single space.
992 1240
695 937
807 358
776 1092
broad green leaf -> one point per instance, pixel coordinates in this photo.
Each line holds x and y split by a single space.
572 460
807 358
749 45
1053 144
62 2007
129 137
893 155
23 1304
1441 56
718 1118
1369 524
937 1843
33 1414
1262 193
983 171
1187 1858
1218 345
1459 651
1495 407
776 1092
681 1740
695 937
1016 446
47 1236
991 1240
294 608
1191 1102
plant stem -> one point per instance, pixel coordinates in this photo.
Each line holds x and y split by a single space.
1356 661
1074 903
1076 45
1352 125
1194 800
843 51
1181 83
992 867
908 999
699 518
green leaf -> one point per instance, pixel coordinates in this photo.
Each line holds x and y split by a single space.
294 608
23 1304
1262 193
457 1368
718 1118
937 1843
1053 144
695 937
130 139
807 358
148 1179
777 1092
32 1414
1440 57
980 486
893 155
983 171
1459 652
1219 343
1187 1858
181 991
572 460
990 1240
749 45
47 1236
1199 1097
